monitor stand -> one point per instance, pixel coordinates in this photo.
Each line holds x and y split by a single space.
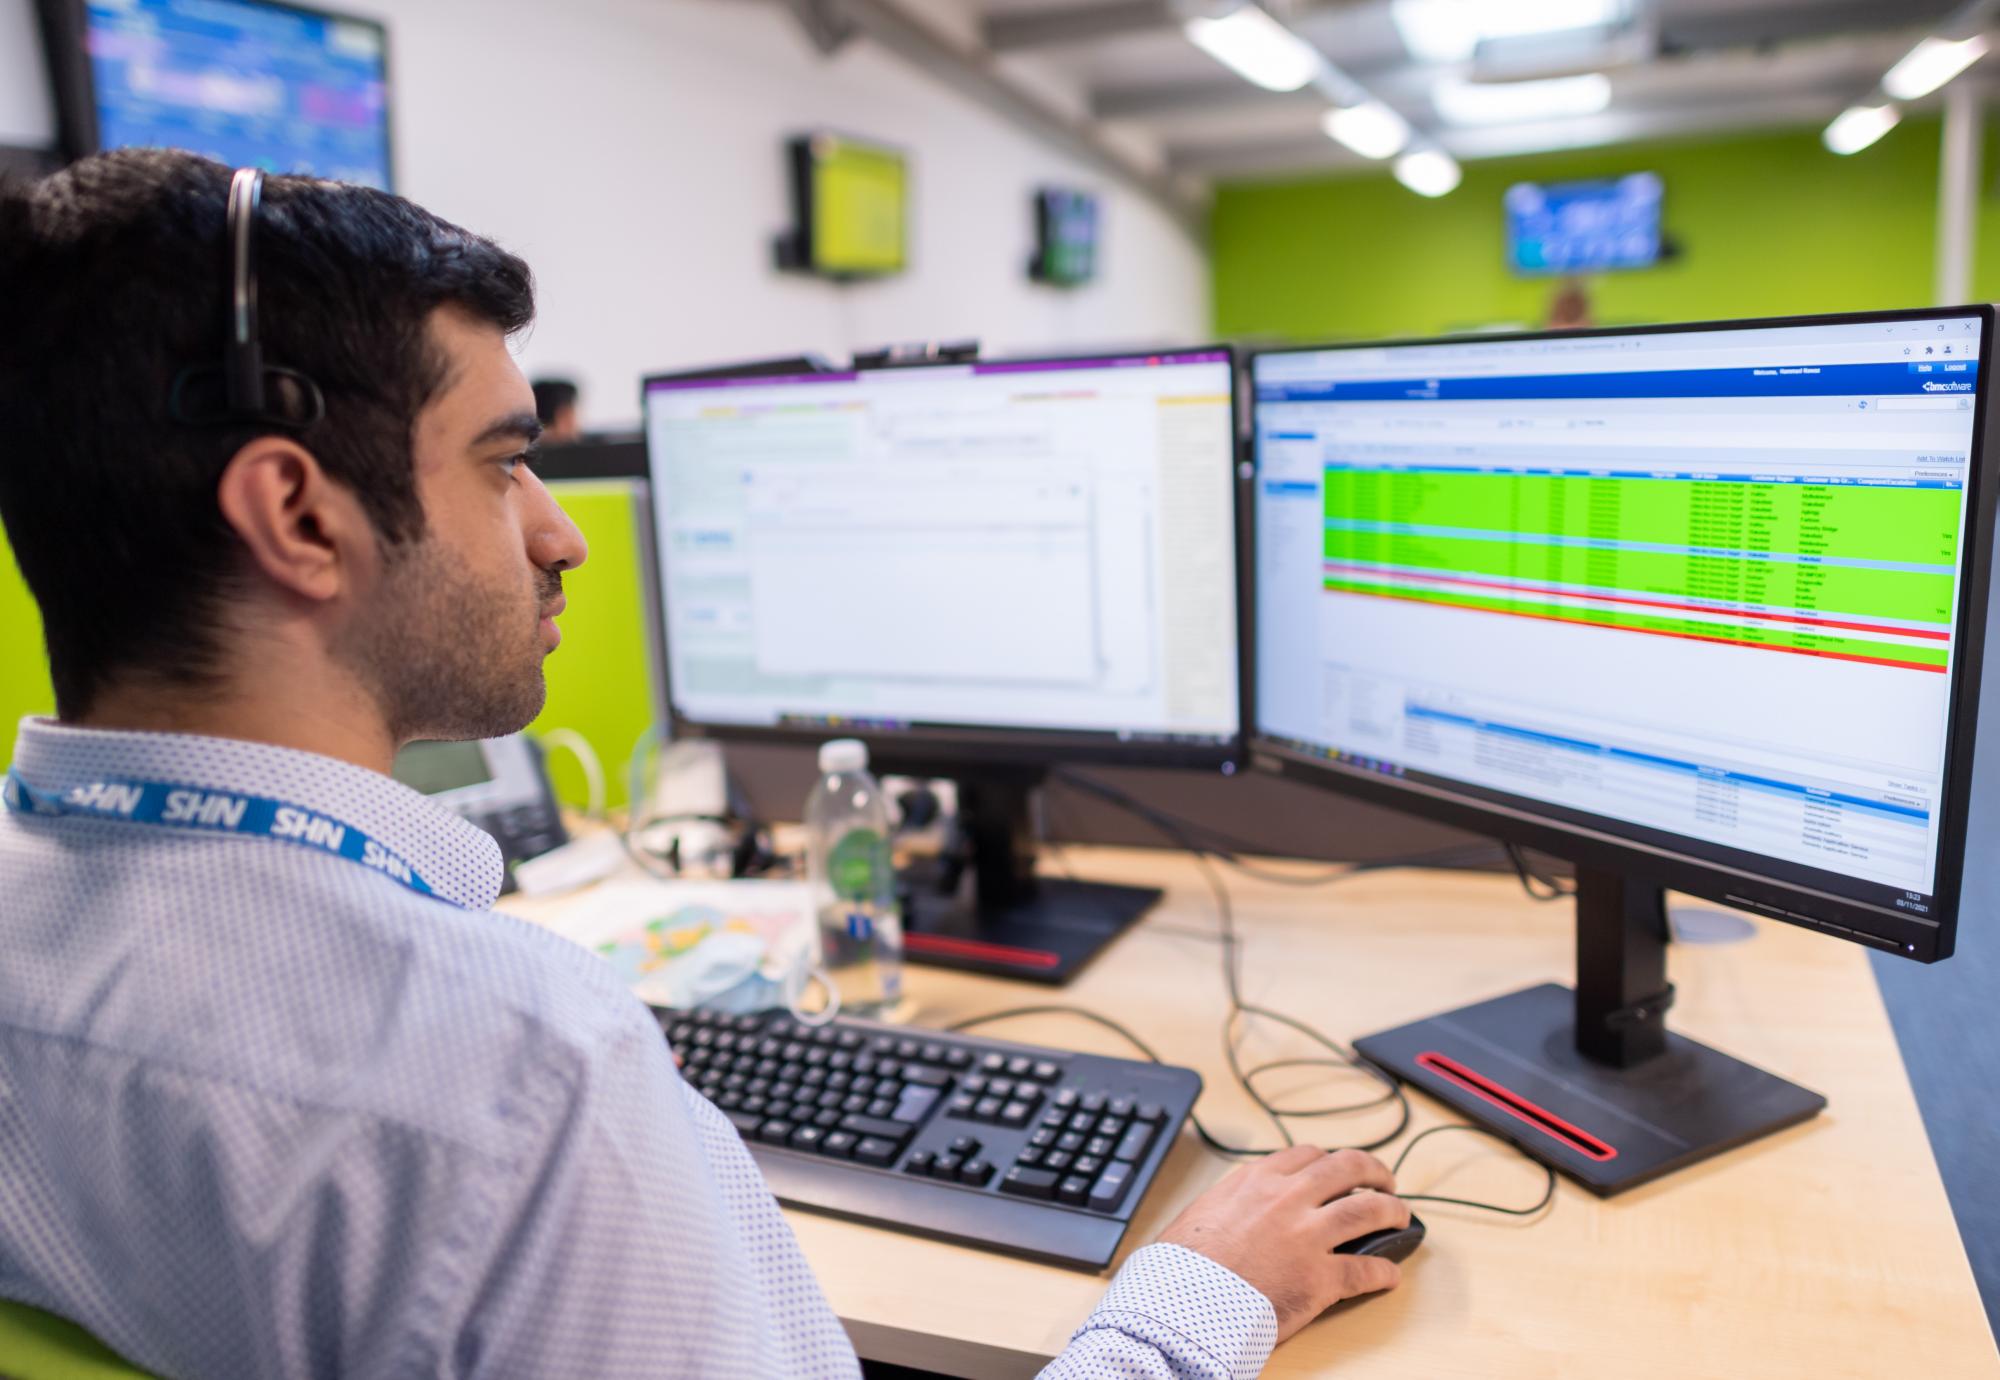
983 909
1590 1081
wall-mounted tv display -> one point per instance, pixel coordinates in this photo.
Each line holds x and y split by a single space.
1584 227
246 82
1066 223
850 208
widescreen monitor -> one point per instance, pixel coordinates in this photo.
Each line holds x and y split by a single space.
247 83
981 569
1697 607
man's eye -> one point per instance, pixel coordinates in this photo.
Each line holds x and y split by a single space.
513 463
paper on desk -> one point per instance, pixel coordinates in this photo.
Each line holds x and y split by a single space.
683 943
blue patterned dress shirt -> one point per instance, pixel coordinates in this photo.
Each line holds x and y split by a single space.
265 1112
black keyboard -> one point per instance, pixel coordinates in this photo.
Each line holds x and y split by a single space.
1037 1152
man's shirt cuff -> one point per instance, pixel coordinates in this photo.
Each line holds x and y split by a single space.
1182 1302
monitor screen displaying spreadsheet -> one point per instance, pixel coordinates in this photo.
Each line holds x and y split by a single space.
1696 589
1040 546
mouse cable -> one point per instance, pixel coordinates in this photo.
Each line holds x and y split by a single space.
1344 1057
1548 1192
1125 1033
1231 955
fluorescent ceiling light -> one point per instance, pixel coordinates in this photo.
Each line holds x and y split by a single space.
1931 64
1427 172
1371 129
1450 30
1858 126
1257 48
1511 102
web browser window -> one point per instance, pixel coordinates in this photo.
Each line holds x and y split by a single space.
1042 545
1701 586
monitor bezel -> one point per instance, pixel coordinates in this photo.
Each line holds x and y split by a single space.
66 23
1925 939
990 746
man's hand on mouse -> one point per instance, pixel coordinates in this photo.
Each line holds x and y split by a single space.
1276 1221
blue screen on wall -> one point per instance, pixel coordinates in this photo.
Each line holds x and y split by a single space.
245 83
1582 227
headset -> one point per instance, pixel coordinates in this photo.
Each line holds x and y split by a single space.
242 388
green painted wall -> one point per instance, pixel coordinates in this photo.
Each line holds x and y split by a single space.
1768 224
24 671
599 682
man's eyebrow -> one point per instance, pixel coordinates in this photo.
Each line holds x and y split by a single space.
524 426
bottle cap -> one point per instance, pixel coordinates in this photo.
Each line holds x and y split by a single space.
843 754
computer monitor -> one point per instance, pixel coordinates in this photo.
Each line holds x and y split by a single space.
249 83
1697 607
980 569
1065 237
850 207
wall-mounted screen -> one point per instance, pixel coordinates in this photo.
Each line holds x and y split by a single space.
1584 227
247 83
1065 237
850 202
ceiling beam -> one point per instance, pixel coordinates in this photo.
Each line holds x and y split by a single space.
1052 28
1156 100
1308 152
974 71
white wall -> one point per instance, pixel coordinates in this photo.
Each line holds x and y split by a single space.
630 151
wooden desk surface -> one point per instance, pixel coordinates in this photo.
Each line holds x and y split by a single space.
1828 1250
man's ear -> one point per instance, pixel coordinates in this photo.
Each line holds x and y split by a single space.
306 533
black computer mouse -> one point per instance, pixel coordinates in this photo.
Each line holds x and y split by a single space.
1396 1243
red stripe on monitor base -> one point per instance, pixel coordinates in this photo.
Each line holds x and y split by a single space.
946 946
1517 1106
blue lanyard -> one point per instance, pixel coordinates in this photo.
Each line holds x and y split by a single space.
192 807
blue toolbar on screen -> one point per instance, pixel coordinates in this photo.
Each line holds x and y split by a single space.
250 85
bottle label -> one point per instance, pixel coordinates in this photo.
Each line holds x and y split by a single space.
857 866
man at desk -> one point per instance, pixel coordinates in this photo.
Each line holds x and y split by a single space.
279 1094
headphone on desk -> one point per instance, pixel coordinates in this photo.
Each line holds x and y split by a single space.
243 388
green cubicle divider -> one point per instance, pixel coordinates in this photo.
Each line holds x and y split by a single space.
40 1346
600 680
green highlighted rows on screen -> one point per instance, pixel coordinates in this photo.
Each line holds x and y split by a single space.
1810 588
1781 639
1863 522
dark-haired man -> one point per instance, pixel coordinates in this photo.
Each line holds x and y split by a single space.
279 1095
557 403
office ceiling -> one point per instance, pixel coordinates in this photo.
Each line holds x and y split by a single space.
1676 67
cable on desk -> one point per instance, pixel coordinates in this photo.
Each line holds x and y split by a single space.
1343 1057
1548 1193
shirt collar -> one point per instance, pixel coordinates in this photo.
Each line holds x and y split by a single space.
460 861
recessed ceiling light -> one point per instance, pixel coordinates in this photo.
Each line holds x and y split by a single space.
1931 64
1428 172
1256 47
1371 129
1513 102
1858 126
1451 30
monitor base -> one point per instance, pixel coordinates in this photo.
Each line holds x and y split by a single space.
1046 936
1512 1066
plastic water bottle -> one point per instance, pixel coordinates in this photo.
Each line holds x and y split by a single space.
854 882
